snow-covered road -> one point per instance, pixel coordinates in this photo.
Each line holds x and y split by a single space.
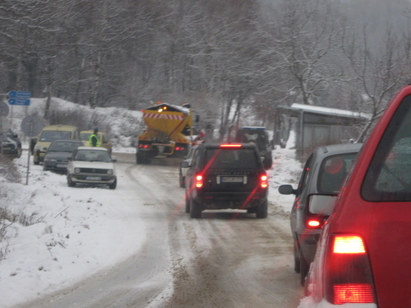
160 257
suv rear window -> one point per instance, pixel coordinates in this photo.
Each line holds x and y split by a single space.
231 159
389 175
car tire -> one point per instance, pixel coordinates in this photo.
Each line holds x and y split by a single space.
268 163
304 267
297 266
182 181
19 152
252 210
195 209
70 183
262 210
36 162
187 201
113 185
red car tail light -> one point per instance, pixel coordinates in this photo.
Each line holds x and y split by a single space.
348 244
264 181
348 277
199 181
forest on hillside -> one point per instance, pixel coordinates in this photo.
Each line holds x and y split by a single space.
249 56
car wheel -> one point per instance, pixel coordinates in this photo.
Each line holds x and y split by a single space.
304 267
262 210
36 161
113 185
182 181
19 151
70 183
187 204
268 164
296 257
195 209
252 210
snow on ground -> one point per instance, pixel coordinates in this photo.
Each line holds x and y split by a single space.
72 234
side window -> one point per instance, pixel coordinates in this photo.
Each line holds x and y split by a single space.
388 177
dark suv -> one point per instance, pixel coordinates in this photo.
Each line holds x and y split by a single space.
226 176
321 179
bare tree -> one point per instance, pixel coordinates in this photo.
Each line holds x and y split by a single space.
377 72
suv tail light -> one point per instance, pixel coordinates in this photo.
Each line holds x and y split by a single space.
198 181
348 277
264 181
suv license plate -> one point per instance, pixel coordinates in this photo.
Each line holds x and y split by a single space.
93 178
231 179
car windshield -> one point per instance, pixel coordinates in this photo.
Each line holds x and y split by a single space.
61 146
85 136
333 171
49 135
93 155
388 177
231 159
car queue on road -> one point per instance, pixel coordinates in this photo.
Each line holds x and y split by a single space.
352 204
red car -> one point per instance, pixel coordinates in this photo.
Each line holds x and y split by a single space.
363 257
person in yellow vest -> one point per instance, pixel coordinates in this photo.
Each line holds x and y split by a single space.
94 140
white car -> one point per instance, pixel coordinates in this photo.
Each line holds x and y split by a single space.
91 165
185 164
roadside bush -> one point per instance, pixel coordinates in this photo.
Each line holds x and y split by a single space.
76 117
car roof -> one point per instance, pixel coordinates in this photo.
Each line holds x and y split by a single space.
93 148
335 149
68 140
59 127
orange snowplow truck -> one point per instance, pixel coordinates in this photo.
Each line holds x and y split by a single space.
168 132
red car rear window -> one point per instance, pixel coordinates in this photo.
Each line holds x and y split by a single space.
389 174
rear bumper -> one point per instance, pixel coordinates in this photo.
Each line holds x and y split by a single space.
230 200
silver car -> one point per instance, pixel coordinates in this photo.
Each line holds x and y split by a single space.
91 166
185 164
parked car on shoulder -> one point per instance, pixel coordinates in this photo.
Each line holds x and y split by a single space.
10 145
184 165
58 154
104 140
363 255
226 176
323 173
91 166
40 144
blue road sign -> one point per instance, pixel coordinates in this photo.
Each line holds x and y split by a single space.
19 101
19 94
